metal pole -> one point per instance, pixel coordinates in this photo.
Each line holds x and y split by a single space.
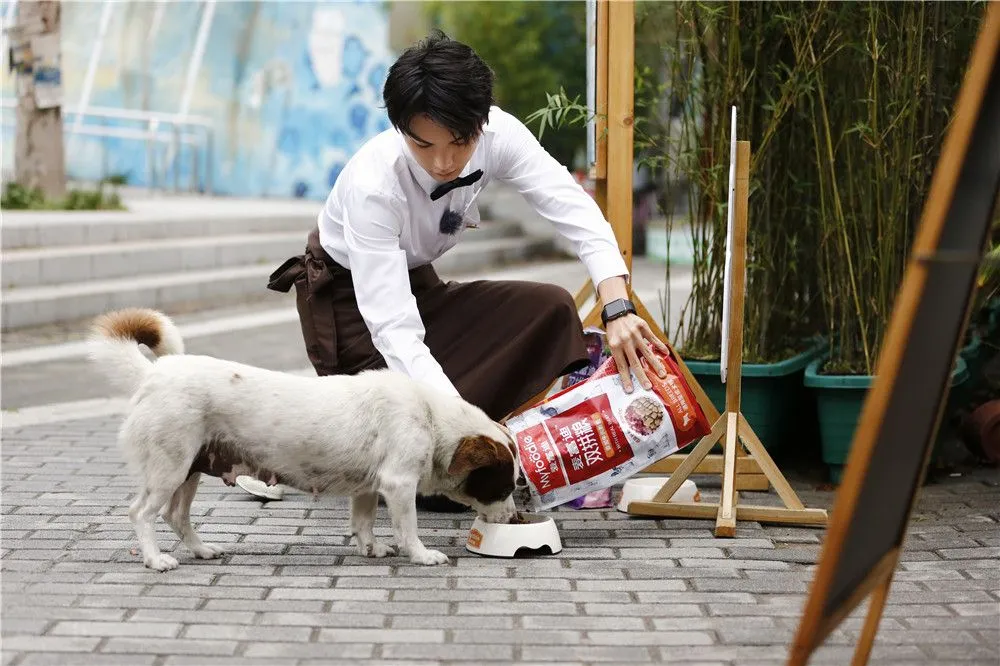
591 83
175 143
194 65
95 57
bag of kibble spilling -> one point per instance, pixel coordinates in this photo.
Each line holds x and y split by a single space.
594 434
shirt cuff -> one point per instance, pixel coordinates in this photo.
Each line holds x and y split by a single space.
606 265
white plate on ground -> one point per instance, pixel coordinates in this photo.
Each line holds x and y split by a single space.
537 533
644 489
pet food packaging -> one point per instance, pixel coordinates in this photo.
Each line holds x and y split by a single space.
593 434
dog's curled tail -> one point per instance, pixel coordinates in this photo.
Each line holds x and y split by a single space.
115 338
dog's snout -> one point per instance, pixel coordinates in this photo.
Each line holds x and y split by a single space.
521 481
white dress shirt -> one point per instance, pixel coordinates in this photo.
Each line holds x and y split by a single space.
379 222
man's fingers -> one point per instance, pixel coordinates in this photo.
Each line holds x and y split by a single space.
623 369
653 361
647 333
633 359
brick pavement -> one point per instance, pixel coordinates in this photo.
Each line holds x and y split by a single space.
292 591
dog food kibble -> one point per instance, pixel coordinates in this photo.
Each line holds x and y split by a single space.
644 415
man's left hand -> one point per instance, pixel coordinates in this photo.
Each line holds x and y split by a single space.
630 338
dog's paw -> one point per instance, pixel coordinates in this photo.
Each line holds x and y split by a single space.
376 549
429 557
161 562
208 551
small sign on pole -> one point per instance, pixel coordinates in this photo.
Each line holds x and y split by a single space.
728 274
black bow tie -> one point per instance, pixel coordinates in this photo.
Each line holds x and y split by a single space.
445 188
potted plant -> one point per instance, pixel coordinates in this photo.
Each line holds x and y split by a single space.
878 115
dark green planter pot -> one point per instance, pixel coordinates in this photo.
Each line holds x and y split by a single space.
839 399
772 399
974 355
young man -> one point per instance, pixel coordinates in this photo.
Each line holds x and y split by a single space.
367 294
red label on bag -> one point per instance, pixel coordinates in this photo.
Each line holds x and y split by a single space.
540 460
588 439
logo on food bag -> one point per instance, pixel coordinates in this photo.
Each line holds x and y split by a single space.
588 439
539 460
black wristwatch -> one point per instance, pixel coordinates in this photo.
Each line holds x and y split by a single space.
615 309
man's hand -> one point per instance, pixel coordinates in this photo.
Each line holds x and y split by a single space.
631 338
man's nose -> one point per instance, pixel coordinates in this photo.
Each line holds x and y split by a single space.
444 161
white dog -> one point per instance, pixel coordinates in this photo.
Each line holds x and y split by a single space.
376 433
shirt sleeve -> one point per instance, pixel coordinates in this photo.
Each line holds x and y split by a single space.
372 224
555 195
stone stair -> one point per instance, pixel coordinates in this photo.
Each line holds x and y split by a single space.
181 254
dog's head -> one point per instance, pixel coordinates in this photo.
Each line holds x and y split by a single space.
487 471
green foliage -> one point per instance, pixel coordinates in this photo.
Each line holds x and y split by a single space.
845 106
18 197
533 47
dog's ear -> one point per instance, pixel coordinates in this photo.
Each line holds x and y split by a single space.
475 452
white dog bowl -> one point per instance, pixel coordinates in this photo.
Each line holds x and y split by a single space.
644 489
506 539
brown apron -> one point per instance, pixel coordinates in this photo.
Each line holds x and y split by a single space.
499 342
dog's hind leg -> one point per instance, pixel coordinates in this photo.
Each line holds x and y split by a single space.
363 507
178 516
401 498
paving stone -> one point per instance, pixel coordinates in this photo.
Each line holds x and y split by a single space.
617 654
169 646
84 659
308 650
474 653
137 629
323 619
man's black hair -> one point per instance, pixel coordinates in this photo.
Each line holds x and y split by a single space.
444 79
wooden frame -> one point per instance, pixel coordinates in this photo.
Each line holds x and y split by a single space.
956 215
732 427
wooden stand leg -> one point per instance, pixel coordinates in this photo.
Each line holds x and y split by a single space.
875 607
725 523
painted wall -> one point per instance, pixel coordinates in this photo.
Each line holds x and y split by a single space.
292 89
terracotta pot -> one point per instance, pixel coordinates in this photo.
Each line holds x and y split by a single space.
982 430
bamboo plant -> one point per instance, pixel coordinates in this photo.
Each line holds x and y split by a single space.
845 106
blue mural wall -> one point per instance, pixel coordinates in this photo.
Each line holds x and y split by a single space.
292 90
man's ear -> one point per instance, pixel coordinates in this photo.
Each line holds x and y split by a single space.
473 453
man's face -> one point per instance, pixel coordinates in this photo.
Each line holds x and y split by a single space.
437 150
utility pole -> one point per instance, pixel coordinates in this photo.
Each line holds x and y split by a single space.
39 155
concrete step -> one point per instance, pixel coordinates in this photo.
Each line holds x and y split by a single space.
45 304
36 266
47 229
78 263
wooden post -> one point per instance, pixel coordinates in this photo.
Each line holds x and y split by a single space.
621 79
39 155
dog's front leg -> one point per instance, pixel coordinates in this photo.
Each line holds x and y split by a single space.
401 499
363 507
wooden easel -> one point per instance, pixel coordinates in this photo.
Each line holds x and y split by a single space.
732 427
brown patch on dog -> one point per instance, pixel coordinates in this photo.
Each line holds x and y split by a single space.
136 324
474 452
489 468
235 378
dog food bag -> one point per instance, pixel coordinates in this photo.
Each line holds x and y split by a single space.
594 434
